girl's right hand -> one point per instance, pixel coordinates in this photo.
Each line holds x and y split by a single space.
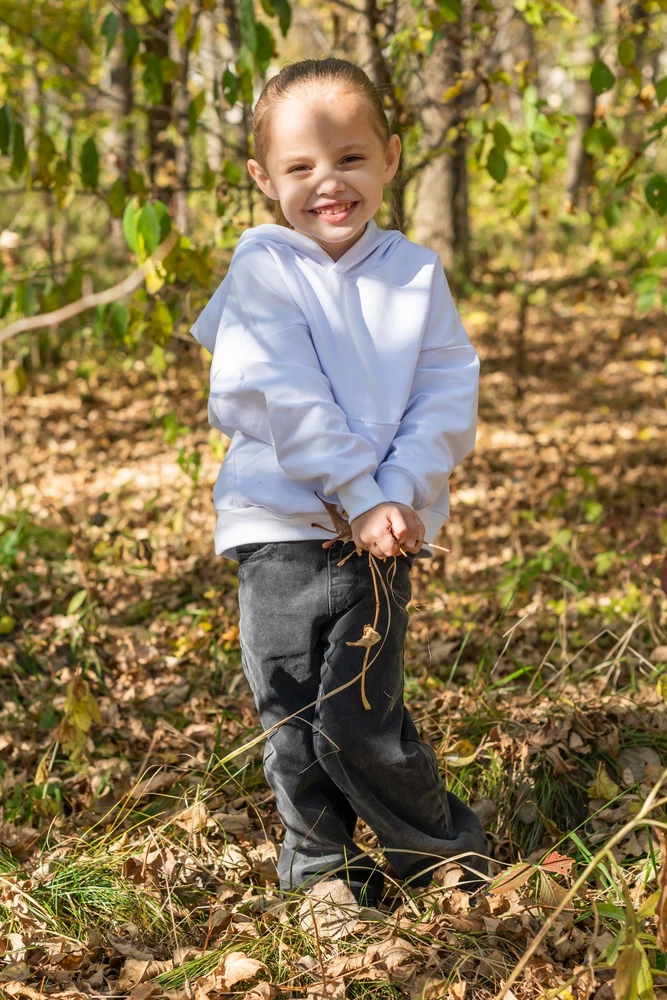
385 529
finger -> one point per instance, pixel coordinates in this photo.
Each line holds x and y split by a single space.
399 525
378 551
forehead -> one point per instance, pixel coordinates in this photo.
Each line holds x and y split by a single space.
312 119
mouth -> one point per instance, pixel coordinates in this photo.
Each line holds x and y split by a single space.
335 213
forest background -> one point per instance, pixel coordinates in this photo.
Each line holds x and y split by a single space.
137 835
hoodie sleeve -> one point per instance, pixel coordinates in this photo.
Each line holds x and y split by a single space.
266 381
438 428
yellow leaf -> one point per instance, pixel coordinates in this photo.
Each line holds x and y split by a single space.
452 92
15 381
661 687
462 753
604 787
7 624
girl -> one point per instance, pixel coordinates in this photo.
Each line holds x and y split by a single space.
340 370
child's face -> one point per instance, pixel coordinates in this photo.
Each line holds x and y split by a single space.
324 151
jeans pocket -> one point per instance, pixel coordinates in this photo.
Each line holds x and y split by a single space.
251 550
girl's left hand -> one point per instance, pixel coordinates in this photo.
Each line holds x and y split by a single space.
385 529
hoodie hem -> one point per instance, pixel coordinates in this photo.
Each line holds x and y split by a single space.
259 524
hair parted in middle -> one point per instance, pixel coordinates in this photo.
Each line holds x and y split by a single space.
312 73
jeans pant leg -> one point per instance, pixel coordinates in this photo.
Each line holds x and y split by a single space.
285 602
376 757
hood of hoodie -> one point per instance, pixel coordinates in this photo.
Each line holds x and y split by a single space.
369 252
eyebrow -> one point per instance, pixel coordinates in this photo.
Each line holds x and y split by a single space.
341 149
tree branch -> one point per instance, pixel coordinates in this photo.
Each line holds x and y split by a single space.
119 291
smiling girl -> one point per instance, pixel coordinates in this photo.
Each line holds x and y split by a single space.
340 370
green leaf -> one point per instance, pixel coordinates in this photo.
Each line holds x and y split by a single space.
130 225
597 140
231 173
266 48
162 325
110 29
6 129
119 320
661 90
601 77
626 52
268 7
148 225
87 27
450 9
501 137
164 218
656 193
76 601
137 183
131 43
116 198
152 78
247 24
90 163
230 87
182 24
45 153
612 213
658 259
19 155
496 164
284 12
195 108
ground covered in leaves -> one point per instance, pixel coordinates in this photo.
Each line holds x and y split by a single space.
135 860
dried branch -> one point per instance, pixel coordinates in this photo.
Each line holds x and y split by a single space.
119 291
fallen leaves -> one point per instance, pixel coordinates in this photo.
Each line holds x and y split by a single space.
330 910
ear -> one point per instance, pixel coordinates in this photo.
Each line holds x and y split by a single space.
262 179
392 157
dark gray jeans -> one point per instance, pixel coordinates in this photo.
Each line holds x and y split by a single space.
337 761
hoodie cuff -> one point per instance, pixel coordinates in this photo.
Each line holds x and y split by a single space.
396 485
359 495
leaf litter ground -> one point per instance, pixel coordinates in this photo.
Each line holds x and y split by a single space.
134 862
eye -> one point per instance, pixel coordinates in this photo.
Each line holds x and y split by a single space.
354 156
294 170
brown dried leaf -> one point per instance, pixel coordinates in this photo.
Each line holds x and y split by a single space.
332 989
133 972
193 819
550 893
128 949
558 864
235 967
512 879
369 638
261 991
16 972
331 907
145 990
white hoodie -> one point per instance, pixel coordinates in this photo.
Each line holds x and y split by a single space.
354 379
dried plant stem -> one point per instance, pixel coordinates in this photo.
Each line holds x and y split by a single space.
364 665
649 805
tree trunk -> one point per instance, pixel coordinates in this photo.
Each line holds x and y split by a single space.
440 220
579 172
371 59
162 156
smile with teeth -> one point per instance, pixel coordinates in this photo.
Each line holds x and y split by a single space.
334 209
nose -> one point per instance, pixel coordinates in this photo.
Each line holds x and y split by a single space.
330 184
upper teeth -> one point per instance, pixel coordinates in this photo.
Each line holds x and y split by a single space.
334 209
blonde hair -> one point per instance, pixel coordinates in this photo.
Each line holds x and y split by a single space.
311 72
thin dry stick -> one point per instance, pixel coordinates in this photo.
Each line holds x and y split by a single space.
119 291
620 835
